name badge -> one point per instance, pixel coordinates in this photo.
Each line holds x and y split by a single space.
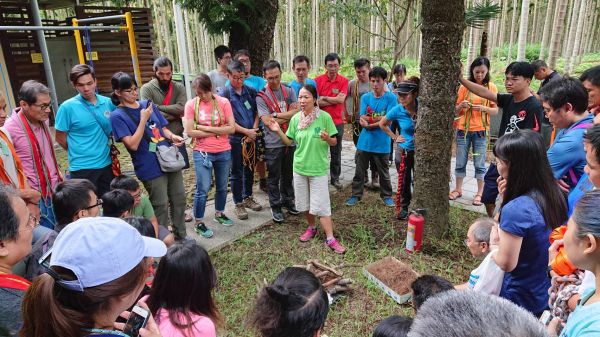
107 114
335 91
152 147
247 105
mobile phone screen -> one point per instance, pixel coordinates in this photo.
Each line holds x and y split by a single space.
136 321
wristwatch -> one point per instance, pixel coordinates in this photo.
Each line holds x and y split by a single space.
275 114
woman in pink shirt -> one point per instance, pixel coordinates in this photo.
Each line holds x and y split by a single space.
185 309
209 120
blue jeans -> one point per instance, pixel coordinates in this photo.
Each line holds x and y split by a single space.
478 142
204 165
242 177
47 218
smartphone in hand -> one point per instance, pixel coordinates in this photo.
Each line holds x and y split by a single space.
137 320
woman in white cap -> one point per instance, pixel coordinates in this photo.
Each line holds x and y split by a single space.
97 270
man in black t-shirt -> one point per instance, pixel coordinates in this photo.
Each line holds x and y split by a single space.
520 110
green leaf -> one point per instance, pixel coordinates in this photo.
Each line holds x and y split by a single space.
477 15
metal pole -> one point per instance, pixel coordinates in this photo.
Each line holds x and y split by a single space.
133 48
36 28
182 48
78 44
102 18
44 49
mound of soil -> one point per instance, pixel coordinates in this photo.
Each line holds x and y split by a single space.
394 274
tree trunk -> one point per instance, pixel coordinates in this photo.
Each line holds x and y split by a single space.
513 22
332 33
442 28
259 39
536 9
572 30
523 30
578 32
546 30
289 32
558 27
500 42
483 49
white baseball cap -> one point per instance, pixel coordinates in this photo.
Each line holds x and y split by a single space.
99 250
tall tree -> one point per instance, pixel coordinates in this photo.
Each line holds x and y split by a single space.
442 29
523 30
557 32
576 44
250 24
513 22
546 30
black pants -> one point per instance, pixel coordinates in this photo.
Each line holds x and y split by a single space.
356 130
335 167
101 178
409 166
280 179
381 163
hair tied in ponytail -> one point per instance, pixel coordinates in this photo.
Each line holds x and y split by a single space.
278 293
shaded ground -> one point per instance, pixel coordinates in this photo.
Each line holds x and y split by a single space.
369 232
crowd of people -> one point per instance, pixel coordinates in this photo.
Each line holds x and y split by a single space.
63 271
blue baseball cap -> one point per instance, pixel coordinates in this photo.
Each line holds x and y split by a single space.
99 250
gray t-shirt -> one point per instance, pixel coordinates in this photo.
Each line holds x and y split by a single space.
272 140
363 88
218 80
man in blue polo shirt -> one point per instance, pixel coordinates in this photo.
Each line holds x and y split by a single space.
301 67
83 129
243 104
565 104
252 81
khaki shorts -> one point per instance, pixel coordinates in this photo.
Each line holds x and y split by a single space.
312 194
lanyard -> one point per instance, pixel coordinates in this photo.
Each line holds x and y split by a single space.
44 178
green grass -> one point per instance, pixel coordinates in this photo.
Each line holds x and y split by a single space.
369 231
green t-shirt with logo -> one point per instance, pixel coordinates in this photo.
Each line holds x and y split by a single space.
144 209
310 157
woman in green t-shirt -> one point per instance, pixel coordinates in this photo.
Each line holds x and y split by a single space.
314 132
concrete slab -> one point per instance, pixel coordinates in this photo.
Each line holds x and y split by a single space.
226 235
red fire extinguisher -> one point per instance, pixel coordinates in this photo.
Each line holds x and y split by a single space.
414 231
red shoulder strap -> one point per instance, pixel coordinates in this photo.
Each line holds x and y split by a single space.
167 99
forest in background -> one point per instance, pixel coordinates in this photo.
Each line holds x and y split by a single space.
555 30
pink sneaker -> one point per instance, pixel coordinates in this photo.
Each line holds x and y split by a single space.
309 234
335 246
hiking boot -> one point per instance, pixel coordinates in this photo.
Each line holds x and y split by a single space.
335 246
262 184
292 210
403 214
277 214
308 234
352 201
240 211
388 201
202 230
223 220
249 202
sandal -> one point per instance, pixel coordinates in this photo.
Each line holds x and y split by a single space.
454 195
477 200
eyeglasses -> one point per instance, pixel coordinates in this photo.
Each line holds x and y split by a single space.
129 91
137 195
43 106
97 204
238 78
32 222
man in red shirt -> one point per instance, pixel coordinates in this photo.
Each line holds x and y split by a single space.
332 89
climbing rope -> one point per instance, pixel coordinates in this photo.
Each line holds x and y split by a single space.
248 153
